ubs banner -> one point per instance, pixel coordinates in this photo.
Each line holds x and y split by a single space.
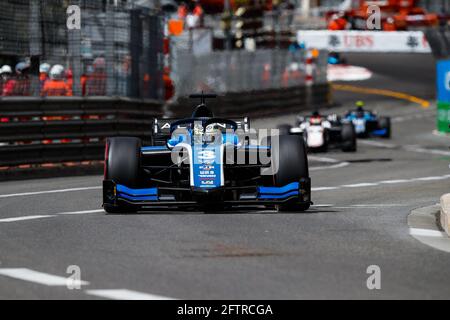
443 95
365 41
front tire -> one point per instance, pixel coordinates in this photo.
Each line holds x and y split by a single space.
292 166
385 123
284 129
348 136
122 165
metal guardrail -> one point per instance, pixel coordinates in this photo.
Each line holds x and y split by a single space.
36 131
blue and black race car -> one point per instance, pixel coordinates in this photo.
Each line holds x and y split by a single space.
367 123
207 163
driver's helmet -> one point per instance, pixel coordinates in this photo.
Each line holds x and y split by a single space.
360 104
316 119
198 128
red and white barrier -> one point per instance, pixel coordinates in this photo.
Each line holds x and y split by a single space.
348 73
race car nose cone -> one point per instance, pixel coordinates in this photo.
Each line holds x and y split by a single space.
207 195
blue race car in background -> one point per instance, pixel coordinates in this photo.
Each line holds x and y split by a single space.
202 162
335 58
367 123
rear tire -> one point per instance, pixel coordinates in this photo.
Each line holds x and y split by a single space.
348 136
292 166
123 165
385 123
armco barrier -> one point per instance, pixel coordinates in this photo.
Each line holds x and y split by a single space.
36 131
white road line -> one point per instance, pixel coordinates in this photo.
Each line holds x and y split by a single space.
14 219
409 148
378 183
48 191
124 294
427 233
394 181
323 159
324 188
430 178
412 117
80 212
378 144
335 163
24 218
36 277
427 151
334 166
377 205
359 185
356 206
369 206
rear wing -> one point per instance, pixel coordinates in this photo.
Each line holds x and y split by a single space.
161 127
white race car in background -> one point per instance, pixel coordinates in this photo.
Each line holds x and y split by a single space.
322 132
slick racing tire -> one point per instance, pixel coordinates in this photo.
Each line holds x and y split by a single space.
292 166
385 123
284 129
348 136
122 165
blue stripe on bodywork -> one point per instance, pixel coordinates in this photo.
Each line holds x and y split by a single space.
152 148
278 196
137 192
138 198
279 190
379 132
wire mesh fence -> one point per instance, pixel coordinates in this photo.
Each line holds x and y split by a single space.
118 51
243 71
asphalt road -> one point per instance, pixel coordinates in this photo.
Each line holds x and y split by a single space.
323 253
413 74
362 201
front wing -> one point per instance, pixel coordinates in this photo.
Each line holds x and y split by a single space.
117 195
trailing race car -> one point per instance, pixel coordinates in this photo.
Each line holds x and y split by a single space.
335 58
208 163
367 123
323 132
